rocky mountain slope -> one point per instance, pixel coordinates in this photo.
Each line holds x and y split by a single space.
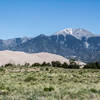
79 44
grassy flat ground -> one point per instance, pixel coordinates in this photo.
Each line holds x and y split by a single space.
48 83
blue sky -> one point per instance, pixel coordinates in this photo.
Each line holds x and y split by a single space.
19 18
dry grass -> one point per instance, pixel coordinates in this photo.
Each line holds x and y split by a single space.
48 83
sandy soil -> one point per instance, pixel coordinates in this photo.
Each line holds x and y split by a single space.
17 57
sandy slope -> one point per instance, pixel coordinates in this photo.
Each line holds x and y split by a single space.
17 57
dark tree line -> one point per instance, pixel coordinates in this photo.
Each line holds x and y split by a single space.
71 65
93 65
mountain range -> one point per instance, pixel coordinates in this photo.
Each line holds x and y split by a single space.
79 44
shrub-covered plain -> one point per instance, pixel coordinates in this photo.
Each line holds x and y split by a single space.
49 83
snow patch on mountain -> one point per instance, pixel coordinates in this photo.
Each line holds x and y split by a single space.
78 33
87 44
25 39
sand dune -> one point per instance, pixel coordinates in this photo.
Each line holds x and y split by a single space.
16 57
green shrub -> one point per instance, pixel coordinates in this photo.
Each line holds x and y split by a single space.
49 89
26 64
47 69
72 61
30 78
35 64
56 64
93 90
64 65
2 69
48 64
94 65
9 65
45 64
73 66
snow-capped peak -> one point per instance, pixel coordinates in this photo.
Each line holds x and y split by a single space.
78 33
68 30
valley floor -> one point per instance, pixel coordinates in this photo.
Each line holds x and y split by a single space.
48 83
